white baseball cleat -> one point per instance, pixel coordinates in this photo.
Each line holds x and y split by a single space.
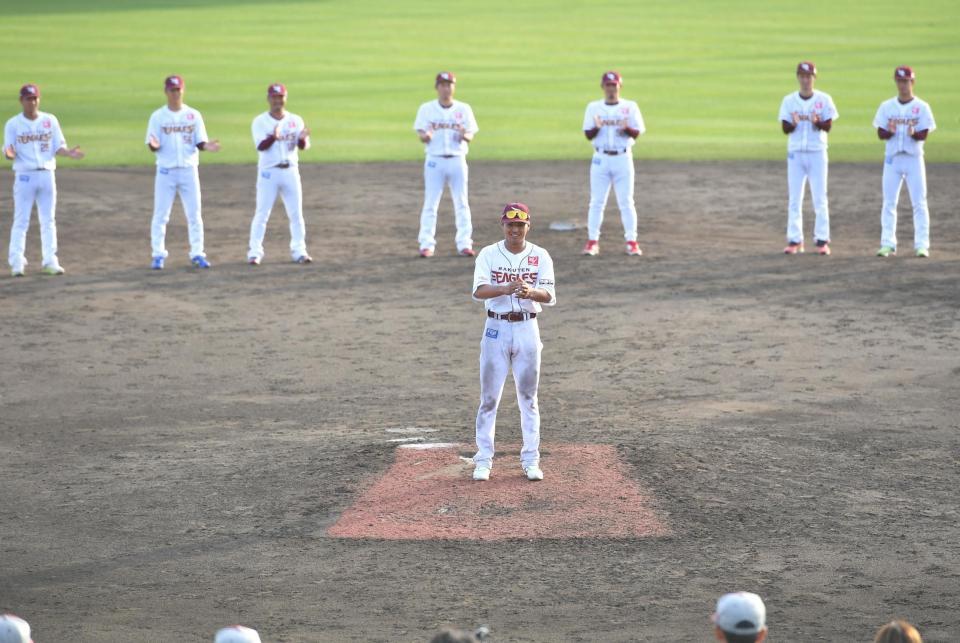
534 472
481 473
54 268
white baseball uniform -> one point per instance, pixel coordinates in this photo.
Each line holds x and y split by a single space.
612 163
179 134
807 161
35 143
904 162
510 345
446 163
278 173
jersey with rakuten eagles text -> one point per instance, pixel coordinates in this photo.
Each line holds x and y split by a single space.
496 266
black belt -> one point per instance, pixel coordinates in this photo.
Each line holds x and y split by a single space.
511 317
283 165
614 152
447 156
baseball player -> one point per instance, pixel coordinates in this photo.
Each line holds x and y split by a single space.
279 136
806 116
33 140
176 134
612 125
446 127
904 122
14 629
514 278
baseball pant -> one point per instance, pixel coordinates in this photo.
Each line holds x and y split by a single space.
509 346
437 172
897 169
286 183
803 167
170 182
40 187
607 170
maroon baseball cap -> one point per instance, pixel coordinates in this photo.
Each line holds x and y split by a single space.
445 77
277 89
29 90
173 82
806 67
611 77
514 212
904 72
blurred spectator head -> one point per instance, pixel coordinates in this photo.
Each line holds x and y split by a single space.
14 629
897 632
740 617
451 635
237 634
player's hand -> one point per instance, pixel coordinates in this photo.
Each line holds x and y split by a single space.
276 132
892 125
522 290
154 142
75 153
795 117
212 146
305 134
910 130
9 152
814 118
597 120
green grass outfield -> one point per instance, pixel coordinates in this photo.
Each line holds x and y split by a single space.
708 74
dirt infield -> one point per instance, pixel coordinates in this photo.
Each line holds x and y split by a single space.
175 446
429 494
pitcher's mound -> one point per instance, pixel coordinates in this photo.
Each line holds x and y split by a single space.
428 494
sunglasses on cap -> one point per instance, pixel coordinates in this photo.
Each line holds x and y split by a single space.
516 214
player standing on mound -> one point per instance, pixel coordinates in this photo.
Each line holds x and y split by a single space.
513 278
